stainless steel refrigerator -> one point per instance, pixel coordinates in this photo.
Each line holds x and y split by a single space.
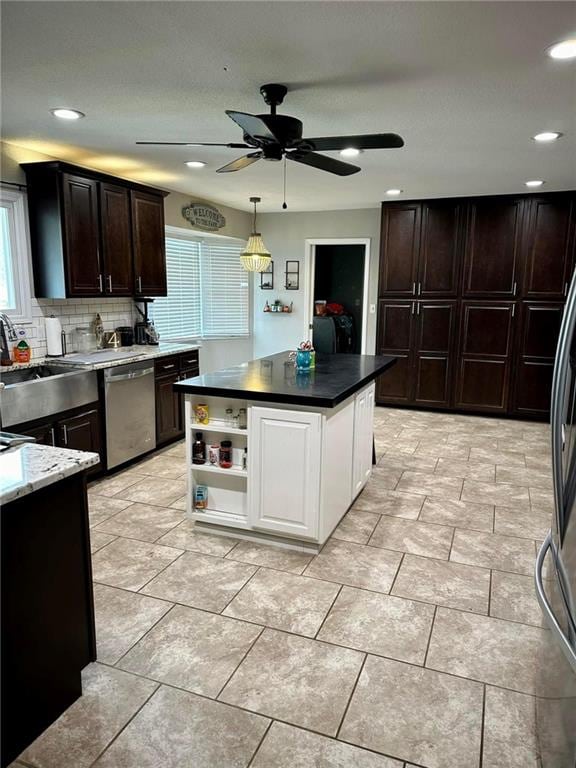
555 571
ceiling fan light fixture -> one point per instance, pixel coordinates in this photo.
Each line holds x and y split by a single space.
534 183
393 192
350 152
195 164
563 50
546 136
65 113
255 257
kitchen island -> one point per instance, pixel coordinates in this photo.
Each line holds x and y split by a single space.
308 441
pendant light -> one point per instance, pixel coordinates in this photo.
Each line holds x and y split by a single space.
255 257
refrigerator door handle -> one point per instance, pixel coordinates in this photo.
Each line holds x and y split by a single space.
551 619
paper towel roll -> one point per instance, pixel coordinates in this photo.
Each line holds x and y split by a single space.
53 336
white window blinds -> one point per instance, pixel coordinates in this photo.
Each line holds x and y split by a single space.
208 291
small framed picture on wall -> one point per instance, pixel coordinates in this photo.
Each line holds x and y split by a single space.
292 276
267 278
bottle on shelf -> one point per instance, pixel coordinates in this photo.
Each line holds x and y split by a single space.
245 459
198 450
226 454
229 419
242 418
214 454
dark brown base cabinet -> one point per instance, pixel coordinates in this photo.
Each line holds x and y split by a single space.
498 271
169 404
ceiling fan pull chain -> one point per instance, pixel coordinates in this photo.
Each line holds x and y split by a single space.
284 204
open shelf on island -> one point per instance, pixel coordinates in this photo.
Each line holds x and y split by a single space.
234 471
217 426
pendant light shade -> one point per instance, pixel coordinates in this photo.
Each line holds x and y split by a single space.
255 257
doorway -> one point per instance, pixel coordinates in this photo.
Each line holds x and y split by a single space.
337 294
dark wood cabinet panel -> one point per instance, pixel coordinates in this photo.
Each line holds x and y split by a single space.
440 248
487 329
45 434
432 380
433 352
399 246
482 384
549 247
540 329
395 332
116 240
395 386
81 236
168 409
533 387
149 244
82 432
493 240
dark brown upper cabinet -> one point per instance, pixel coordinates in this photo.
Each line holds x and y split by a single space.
549 246
493 248
89 230
118 277
420 247
440 249
399 244
149 244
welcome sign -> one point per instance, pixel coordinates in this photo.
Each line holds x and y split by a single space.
204 216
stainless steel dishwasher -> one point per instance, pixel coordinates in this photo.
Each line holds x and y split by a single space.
130 411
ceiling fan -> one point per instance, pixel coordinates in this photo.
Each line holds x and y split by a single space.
276 136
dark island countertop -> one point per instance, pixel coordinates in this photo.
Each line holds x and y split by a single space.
274 379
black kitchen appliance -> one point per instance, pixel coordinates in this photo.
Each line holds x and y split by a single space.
144 331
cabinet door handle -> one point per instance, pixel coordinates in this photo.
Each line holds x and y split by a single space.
167 367
418 308
65 434
109 279
412 312
513 309
413 289
419 288
52 435
514 288
100 286
565 289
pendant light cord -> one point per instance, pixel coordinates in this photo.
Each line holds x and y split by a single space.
284 204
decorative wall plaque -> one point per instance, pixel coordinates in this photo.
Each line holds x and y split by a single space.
204 216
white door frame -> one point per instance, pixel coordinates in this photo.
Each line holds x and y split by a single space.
310 268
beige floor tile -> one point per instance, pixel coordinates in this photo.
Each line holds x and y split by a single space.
356 526
526 523
443 583
392 503
270 556
379 624
109 699
460 514
384 477
177 729
539 461
176 449
284 601
201 581
187 536
541 499
357 565
499 494
493 550
295 679
142 521
430 485
494 651
474 438
289 747
163 466
129 564
412 536
509 730
416 714
491 456
110 486
401 461
513 597
535 478
470 470
192 649
101 508
99 540
121 619
154 490
449 451
180 504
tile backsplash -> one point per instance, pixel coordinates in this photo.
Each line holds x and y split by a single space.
74 313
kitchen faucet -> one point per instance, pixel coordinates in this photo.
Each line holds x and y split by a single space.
6 325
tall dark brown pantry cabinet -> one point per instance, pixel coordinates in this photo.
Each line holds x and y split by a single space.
471 295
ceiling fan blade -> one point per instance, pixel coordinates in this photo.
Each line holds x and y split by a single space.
323 163
193 144
253 125
363 141
240 162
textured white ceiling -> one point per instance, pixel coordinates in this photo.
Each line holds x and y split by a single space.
466 84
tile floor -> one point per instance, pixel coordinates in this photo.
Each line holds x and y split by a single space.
410 640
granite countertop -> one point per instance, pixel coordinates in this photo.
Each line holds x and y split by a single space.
274 379
29 467
108 358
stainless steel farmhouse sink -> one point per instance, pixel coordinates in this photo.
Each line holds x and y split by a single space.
43 390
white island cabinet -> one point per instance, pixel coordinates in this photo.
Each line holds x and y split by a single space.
309 447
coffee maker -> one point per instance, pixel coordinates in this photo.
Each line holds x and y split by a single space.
144 331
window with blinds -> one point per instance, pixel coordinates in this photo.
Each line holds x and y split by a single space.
208 290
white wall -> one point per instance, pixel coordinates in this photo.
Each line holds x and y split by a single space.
285 235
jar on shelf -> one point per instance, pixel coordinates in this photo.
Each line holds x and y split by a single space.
214 454
200 497
202 413
229 418
226 454
199 450
242 418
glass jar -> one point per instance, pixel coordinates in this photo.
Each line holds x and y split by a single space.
242 418
226 454
229 418
214 454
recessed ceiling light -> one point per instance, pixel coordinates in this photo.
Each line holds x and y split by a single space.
195 164
349 152
64 113
393 192
547 136
534 183
564 50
